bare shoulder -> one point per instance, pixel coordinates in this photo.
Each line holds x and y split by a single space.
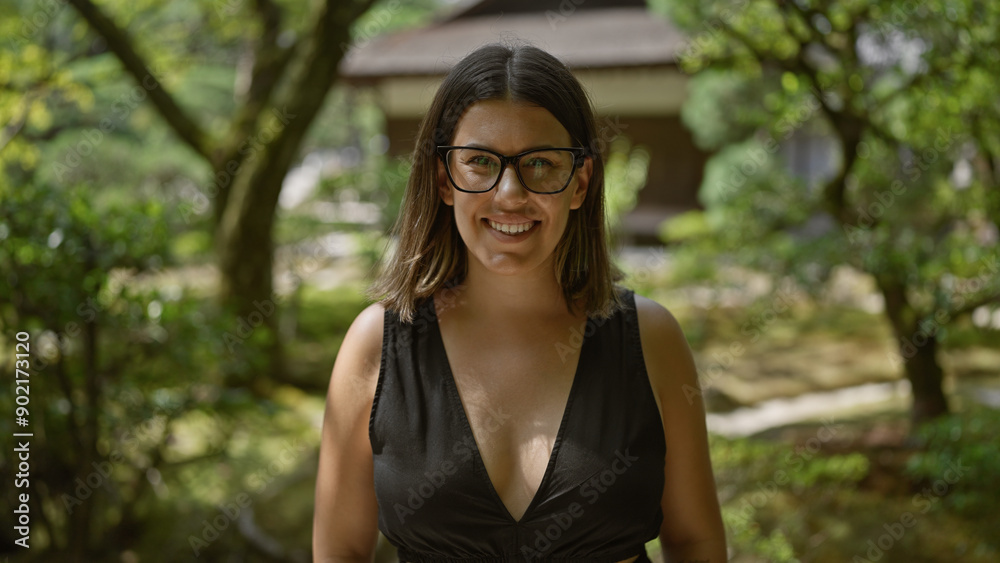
365 334
360 354
658 328
669 362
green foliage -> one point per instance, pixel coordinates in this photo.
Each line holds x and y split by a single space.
889 103
741 95
126 373
69 264
961 451
57 239
387 16
687 225
773 547
760 479
744 462
329 313
624 175
800 502
379 180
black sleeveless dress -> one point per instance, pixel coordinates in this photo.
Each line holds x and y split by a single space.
599 498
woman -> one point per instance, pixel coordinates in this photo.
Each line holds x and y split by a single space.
504 400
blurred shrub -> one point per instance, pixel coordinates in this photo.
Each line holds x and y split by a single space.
135 437
961 452
760 484
624 175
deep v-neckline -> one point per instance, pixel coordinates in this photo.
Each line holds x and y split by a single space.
456 398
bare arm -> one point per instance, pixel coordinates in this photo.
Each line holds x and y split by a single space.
345 521
692 527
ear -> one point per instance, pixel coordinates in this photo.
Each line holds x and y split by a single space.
444 186
582 183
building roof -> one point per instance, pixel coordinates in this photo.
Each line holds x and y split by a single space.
563 7
593 36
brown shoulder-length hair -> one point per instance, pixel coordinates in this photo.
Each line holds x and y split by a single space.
429 253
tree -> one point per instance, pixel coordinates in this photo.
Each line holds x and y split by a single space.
283 84
906 93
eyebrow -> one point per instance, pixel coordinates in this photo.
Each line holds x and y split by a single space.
478 145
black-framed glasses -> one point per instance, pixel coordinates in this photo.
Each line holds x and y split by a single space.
543 171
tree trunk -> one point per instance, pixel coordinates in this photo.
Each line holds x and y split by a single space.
926 377
246 253
917 345
244 236
245 209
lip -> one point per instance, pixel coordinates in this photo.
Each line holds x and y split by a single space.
509 220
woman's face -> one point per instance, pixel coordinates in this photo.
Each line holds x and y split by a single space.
511 128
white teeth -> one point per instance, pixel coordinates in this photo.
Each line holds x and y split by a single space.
511 229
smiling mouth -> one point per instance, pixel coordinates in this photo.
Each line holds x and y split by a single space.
514 229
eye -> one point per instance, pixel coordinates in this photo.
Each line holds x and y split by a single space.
480 160
538 163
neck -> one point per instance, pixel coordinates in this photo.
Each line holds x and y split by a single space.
532 295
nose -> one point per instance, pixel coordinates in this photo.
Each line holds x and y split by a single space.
510 189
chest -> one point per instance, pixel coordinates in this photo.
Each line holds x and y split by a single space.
514 390
529 377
